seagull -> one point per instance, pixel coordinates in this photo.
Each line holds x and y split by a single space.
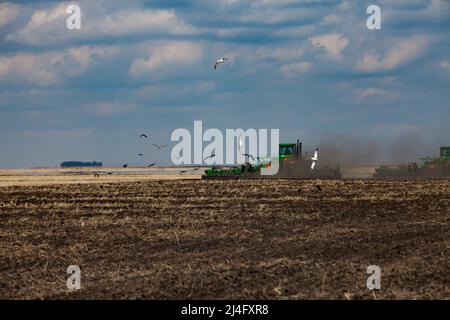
159 147
315 159
143 136
219 61
240 143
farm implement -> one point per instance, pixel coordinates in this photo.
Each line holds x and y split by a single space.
292 165
429 167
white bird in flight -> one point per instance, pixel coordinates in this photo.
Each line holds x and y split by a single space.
219 61
240 143
315 159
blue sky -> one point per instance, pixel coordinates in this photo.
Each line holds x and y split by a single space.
310 68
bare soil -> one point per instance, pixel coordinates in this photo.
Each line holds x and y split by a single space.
233 239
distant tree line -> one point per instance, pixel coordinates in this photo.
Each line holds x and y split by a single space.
66 164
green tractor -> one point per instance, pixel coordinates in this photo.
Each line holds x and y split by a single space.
429 167
292 165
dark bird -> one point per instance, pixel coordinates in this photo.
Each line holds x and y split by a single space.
96 175
125 165
151 165
184 171
318 188
140 154
211 156
250 156
299 190
159 147
143 136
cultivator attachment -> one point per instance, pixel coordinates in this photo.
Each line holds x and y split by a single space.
430 167
292 165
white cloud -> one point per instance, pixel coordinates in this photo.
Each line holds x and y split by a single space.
293 69
169 54
369 93
296 32
109 109
49 26
44 26
333 43
8 13
278 3
50 67
445 64
228 2
331 19
403 52
147 21
276 15
279 53
205 86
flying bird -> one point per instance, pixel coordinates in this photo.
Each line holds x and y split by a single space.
249 156
125 165
151 165
240 143
315 159
219 61
208 157
143 136
159 147
140 154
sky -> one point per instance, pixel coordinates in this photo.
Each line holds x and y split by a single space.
309 68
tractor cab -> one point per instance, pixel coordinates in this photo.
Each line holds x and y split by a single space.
445 153
289 150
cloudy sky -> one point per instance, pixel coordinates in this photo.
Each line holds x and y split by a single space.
310 68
